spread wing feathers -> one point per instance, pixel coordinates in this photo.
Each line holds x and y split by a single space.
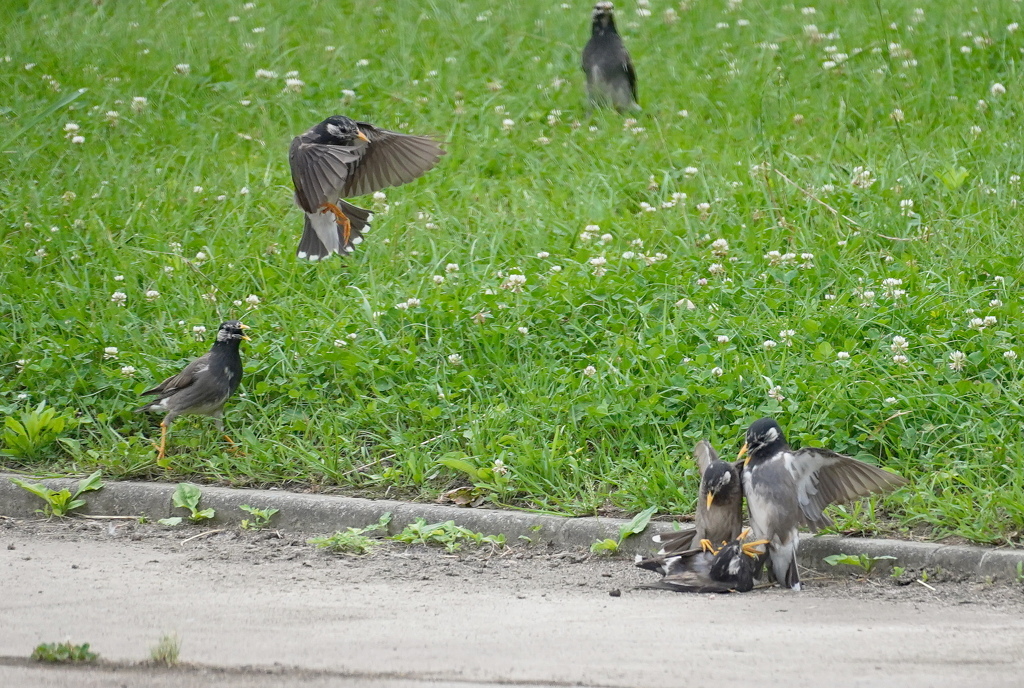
178 382
704 454
675 542
823 477
319 172
690 582
391 159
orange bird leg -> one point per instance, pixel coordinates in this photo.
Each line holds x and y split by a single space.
342 220
163 443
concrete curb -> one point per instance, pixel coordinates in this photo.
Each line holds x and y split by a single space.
319 514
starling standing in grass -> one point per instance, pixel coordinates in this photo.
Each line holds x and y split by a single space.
719 516
731 568
204 385
787 488
339 158
611 80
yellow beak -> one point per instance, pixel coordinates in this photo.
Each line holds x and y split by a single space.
243 326
361 135
743 450
711 498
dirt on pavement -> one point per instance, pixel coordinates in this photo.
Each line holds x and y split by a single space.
247 602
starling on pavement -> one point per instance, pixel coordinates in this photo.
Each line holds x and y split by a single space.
203 386
730 568
611 79
786 488
719 516
339 158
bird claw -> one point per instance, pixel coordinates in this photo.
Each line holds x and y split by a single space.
706 546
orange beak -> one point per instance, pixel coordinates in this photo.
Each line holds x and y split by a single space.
243 326
743 451
361 135
711 498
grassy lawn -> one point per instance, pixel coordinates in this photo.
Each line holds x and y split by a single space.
815 217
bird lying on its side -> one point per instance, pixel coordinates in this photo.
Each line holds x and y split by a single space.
203 386
341 157
729 569
611 79
719 516
787 488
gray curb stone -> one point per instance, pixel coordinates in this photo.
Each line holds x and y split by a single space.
319 514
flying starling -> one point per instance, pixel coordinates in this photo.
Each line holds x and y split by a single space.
204 385
719 516
611 79
339 158
787 488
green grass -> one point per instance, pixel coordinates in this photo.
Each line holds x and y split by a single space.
342 388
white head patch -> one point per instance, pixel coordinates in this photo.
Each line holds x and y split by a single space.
771 435
335 130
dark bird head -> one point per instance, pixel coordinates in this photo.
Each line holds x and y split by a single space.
338 130
720 481
604 19
764 439
232 331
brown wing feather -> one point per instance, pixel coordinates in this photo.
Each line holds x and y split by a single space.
180 381
824 477
319 172
391 159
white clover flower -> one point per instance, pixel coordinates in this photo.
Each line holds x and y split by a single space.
957 360
481 317
556 268
787 336
598 261
862 177
1012 27
773 258
438 279
340 343
606 238
110 352
293 85
990 320
896 115
455 359
590 371
808 259
898 345
997 89
704 207
119 297
41 253
523 330
999 279
776 393
1010 355
723 339
139 103
900 359
507 124
995 303
890 400
717 371
152 295
976 324
352 335
690 171
975 130
197 189
647 207
200 256
451 267
720 247
543 254
514 283
716 269
182 68
77 140
112 117
127 370
628 255
252 300
266 74
379 197
890 286
347 95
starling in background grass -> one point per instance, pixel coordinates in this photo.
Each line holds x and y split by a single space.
339 158
730 568
205 384
786 488
611 79
719 516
